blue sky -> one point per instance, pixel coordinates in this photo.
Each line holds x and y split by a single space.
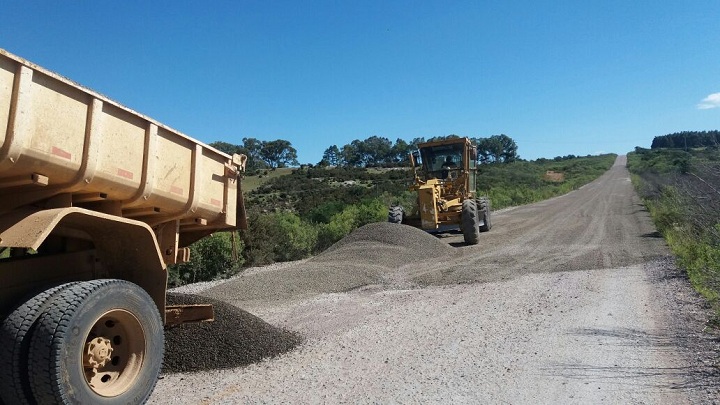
559 77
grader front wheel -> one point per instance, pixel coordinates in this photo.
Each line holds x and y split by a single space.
100 342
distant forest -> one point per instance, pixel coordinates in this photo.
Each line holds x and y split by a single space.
374 151
687 139
377 151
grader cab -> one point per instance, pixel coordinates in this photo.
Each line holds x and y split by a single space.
445 173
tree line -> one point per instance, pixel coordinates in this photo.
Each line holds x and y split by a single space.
687 139
377 151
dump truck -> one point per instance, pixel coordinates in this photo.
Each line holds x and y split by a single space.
445 183
96 201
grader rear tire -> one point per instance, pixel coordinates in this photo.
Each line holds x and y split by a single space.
101 341
470 222
484 208
395 215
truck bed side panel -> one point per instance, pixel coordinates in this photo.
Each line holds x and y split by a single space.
93 148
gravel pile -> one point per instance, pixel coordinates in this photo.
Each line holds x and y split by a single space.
236 338
387 245
365 257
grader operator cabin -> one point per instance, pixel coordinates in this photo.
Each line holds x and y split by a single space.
96 200
445 174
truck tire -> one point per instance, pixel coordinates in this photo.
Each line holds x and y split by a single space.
100 342
395 215
15 335
470 222
484 208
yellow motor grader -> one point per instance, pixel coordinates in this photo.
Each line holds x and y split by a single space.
445 173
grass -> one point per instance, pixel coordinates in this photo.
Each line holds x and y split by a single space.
520 183
250 183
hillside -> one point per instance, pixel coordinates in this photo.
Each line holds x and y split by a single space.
507 184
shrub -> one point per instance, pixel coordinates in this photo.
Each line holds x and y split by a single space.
350 218
211 258
323 213
299 238
680 190
260 239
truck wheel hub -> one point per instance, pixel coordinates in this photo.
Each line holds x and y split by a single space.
99 351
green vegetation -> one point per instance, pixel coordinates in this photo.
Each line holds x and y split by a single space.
285 236
261 176
306 189
523 182
681 189
211 258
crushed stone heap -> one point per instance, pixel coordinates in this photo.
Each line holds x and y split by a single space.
236 338
362 258
385 244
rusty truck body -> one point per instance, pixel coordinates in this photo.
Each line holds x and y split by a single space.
96 200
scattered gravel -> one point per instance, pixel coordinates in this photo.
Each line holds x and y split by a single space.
236 338
371 255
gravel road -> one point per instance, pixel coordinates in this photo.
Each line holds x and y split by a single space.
572 300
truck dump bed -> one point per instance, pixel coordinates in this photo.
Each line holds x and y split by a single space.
58 138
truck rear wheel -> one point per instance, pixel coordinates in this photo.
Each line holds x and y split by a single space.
100 341
15 335
470 222
395 214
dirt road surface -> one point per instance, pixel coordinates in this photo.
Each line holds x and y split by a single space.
572 300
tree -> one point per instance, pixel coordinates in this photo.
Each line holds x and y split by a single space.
400 151
251 164
351 154
497 148
250 148
375 150
331 156
253 147
442 137
228 147
415 142
278 153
